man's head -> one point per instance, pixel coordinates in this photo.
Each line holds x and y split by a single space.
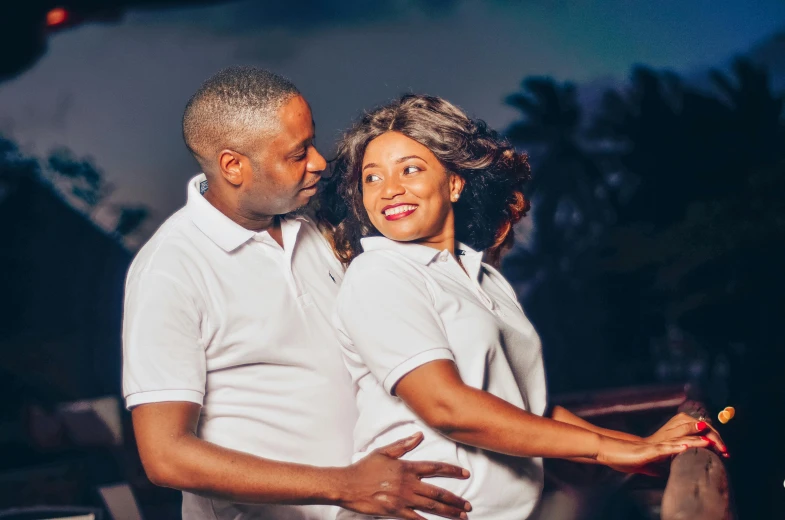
252 133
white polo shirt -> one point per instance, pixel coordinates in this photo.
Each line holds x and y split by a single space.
403 305
222 316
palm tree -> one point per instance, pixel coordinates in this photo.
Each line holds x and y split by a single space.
568 216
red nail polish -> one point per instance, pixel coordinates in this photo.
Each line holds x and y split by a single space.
711 442
701 425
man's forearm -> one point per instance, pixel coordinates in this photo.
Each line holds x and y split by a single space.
194 465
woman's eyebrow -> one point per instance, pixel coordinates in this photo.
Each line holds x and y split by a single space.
397 161
402 159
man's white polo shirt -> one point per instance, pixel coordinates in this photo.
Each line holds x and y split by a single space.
222 316
403 305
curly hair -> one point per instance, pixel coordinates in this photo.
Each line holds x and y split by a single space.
492 200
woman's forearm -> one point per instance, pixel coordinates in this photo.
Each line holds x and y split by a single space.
488 422
561 414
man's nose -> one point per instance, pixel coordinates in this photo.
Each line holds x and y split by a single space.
316 163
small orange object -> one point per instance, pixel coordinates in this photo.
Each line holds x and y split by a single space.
727 414
56 16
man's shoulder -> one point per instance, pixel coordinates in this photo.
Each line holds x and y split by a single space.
170 250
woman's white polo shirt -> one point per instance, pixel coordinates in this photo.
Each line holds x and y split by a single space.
403 305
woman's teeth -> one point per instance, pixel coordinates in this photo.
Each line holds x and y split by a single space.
399 209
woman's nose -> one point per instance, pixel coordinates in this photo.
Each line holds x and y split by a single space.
392 187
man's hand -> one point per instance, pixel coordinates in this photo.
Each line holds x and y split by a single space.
682 424
382 485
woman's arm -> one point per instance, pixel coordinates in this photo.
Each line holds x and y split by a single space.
563 415
436 393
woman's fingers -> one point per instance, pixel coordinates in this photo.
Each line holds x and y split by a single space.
680 444
716 443
685 428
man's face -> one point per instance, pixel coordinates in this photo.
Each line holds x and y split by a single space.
287 166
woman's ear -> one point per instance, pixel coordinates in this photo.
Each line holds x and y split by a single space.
456 186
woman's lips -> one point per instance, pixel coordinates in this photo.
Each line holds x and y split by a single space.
399 211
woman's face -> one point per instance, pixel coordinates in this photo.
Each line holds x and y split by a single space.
407 192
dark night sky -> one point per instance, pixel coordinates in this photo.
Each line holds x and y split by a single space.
116 92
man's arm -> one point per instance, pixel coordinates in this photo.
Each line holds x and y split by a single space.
380 484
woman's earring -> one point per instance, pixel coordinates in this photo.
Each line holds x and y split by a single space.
455 197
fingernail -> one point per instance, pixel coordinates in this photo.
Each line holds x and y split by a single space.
464 516
701 425
467 506
711 442
724 449
465 473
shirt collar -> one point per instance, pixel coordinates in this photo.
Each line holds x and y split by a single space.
471 259
226 233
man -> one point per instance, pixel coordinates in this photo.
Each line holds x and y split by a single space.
238 392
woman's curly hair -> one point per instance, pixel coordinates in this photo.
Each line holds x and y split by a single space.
492 200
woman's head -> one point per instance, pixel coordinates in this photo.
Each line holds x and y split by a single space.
419 169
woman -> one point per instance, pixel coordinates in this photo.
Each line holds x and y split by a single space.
434 337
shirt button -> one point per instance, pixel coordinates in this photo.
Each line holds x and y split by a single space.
443 256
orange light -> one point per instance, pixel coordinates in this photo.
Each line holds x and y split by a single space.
56 16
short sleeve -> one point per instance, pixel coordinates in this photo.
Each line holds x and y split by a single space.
388 318
163 356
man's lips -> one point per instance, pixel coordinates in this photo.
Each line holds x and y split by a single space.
398 211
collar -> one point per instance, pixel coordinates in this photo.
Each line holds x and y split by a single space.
471 259
226 233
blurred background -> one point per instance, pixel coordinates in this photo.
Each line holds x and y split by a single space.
652 258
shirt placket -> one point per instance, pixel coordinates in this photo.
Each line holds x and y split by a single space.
474 285
283 256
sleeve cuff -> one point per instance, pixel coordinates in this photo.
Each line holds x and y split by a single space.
397 373
161 396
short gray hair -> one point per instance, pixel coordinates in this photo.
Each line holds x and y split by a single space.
231 103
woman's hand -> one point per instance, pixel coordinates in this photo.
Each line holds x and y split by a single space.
643 456
681 425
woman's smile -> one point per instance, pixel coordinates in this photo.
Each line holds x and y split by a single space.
398 211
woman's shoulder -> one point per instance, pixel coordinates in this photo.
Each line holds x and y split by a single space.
383 270
381 260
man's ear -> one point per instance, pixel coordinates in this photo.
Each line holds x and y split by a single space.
231 165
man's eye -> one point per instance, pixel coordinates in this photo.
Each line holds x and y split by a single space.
371 177
410 169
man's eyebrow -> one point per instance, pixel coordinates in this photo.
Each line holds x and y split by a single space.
302 144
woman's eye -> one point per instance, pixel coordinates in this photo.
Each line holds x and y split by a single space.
371 178
410 169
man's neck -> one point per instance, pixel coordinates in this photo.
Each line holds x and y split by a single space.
255 223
